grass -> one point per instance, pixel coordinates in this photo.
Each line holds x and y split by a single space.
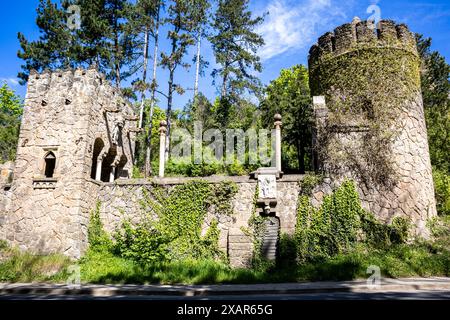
18 266
422 259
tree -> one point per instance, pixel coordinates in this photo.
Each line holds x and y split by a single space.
10 115
435 73
289 95
102 39
235 45
145 23
180 38
199 21
55 46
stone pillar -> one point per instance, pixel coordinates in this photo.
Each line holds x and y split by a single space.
278 124
98 171
162 147
112 174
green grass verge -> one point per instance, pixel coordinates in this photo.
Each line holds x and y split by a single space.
422 259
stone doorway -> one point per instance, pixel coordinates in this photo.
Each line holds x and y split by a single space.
269 247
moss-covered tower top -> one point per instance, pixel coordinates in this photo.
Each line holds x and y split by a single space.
360 35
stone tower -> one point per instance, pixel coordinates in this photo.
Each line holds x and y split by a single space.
370 123
76 131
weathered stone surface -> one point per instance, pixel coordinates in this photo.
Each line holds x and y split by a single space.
409 189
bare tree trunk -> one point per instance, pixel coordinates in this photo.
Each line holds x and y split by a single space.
144 78
148 166
197 67
169 112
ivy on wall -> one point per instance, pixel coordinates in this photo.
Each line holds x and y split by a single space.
339 224
365 88
172 223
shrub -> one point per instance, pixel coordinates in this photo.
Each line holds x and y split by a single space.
335 227
97 237
442 191
331 229
172 230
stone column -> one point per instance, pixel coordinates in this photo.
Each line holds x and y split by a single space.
278 124
98 171
162 147
112 174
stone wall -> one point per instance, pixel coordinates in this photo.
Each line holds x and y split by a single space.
122 199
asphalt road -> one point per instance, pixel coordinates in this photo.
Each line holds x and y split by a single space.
411 295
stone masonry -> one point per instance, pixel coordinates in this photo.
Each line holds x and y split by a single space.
77 142
67 125
410 191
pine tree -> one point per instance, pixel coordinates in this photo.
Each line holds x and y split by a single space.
54 49
235 44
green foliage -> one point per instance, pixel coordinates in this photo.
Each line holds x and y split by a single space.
173 229
18 266
97 237
309 182
3 244
142 243
10 115
442 191
289 95
332 229
435 74
235 44
336 226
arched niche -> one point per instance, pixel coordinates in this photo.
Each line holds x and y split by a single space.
98 147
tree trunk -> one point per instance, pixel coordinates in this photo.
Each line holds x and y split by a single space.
148 166
144 77
197 68
301 156
169 112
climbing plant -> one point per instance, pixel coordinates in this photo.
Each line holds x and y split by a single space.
339 223
365 91
172 223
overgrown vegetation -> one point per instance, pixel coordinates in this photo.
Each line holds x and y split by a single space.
18 266
337 226
170 226
10 115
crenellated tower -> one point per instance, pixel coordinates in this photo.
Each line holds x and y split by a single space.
370 123
77 132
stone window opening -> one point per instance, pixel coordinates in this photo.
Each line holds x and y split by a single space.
50 164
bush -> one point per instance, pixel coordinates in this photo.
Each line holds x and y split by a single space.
331 229
171 226
97 237
442 191
335 227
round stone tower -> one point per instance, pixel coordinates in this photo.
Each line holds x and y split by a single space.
370 123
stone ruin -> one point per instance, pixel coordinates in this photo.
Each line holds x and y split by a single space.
77 143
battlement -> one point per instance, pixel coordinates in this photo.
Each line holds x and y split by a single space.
362 35
47 85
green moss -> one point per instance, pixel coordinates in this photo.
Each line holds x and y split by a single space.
365 89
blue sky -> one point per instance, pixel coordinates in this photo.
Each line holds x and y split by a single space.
290 28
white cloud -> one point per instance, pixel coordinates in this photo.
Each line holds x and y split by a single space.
291 26
10 81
